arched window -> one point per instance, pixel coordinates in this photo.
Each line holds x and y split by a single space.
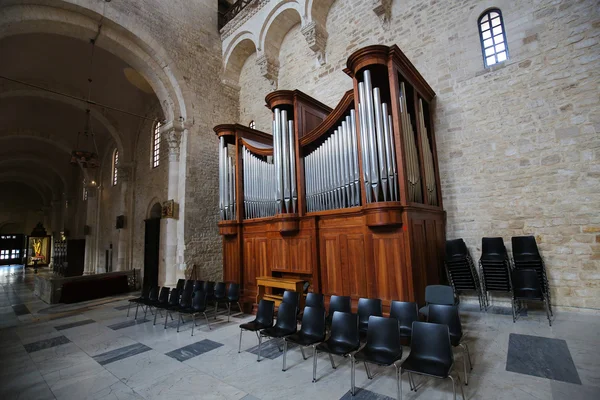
493 37
115 175
156 145
252 124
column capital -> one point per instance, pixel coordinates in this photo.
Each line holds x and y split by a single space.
383 9
124 171
269 67
171 133
316 38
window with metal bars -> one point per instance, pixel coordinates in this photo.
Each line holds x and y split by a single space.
156 145
115 174
252 124
493 37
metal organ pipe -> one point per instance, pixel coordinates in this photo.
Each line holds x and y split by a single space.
226 183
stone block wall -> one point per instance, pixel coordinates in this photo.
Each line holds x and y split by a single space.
518 143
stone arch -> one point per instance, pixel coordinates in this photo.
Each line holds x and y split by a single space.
48 139
154 209
277 23
236 54
41 164
9 223
32 181
139 49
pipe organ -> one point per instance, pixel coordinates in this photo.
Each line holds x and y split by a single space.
347 198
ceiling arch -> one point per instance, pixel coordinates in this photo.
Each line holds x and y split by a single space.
32 181
20 161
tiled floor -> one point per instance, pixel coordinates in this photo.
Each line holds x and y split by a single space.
92 350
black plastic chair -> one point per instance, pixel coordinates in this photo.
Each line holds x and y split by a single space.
437 294
285 325
383 348
526 287
197 307
198 285
430 354
312 331
448 315
264 319
219 295
233 296
494 267
526 255
180 285
406 313
189 286
460 269
338 303
142 300
209 289
143 296
366 309
162 302
152 299
315 300
292 298
173 304
343 340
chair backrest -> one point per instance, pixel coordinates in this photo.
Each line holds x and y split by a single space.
368 308
189 285
198 285
146 291
180 284
493 245
524 245
431 342
344 328
456 248
186 296
384 335
446 315
290 297
405 312
313 321
315 300
266 310
220 289
163 297
199 301
526 279
233 292
174 297
439 294
286 317
153 295
209 288
339 303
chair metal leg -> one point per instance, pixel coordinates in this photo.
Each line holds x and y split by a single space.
468 355
128 307
216 308
546 303
398 376
194 323
155 314
206 318
462 391
240 346
331 359
284 353
136 310
302 351
514 312
240 306
167 317
178 321
400 382
259 345
314 363
411 382
228 311
368 371
353 365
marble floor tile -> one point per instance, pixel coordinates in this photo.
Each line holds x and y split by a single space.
270 348
46 343
80 382
103 344
124 307
127 324
212 363
364 394
121 353
59 358
24 386
540 356
145 369
193 350
569 391
74 324
191 384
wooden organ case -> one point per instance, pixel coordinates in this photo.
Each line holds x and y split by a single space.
348 199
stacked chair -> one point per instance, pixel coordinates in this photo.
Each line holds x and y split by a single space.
527 256
494 267
461 270
526 287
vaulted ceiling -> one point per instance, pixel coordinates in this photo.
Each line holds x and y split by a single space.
39 128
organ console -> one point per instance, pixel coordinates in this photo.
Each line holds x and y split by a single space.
348 199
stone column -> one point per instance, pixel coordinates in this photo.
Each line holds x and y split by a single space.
124 170
168 266
91 242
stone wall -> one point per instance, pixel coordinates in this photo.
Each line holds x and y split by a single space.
518 143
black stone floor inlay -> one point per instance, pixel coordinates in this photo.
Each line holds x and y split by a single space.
541 356
364 394
21 309
119 354
46 344
127 324
270 349
74 324
193 350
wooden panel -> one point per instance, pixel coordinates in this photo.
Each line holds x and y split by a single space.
231 259
355 271
262 257
279 256
419 259
331 271
300 255
250 272
388 251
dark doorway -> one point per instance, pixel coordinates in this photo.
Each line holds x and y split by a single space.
151 247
